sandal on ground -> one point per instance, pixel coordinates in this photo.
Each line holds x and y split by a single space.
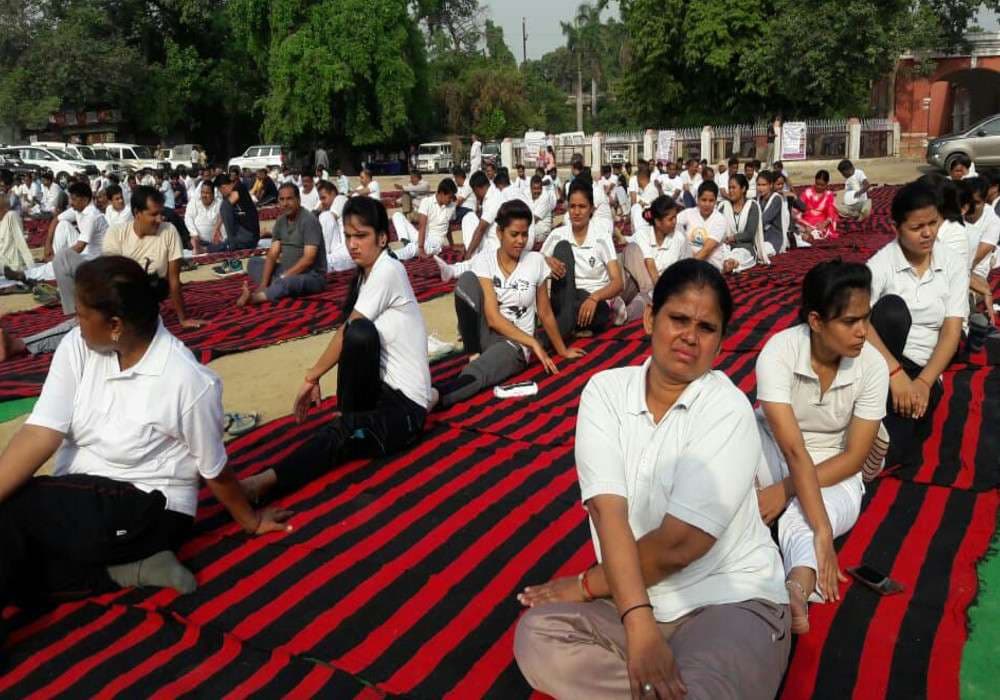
800 623
242 423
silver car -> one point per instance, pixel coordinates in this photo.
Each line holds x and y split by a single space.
980 142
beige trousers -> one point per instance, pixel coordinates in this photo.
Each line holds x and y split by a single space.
577 650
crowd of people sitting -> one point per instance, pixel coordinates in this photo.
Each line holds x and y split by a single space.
680 475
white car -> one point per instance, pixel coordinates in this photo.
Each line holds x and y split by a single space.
62 164
185 154
269 157
90 154
134 157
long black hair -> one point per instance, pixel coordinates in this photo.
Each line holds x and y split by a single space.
827 287
371 213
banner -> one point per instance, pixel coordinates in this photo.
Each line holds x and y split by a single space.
793 141
665 141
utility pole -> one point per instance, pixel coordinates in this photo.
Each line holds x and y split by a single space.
524 40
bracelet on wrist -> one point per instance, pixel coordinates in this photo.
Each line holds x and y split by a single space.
587 593
924 381
633 608
893 373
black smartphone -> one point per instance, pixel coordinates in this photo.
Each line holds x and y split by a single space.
875 579
515 385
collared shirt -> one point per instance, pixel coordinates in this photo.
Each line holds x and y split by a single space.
698 464
115 217
591 257
699 230
941 293
542 209
674 247
387 300
785 375
438 218
201 220
156 425
51 196
93 226
168 194
153 253
985 229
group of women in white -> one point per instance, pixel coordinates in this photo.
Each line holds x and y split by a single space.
678 474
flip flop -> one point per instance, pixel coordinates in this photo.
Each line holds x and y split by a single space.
243 423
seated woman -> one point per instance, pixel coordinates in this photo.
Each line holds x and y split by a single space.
822 395
134 420
586 277
652 250
820 217
774 213
705 228
496 303
920 300
383 379
644 196
688 596
793 209
745 232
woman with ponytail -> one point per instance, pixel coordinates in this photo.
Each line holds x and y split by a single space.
383 378
652 250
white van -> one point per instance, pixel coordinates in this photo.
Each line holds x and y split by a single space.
95 154
434 157
135 157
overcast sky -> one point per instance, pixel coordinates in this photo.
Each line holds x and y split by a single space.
543 17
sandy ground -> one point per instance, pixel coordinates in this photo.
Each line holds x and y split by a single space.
250 385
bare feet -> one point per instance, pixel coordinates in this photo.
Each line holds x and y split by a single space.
10 346
257 487
447 273
245 295
799 603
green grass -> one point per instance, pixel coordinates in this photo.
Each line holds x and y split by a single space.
979 659
9 410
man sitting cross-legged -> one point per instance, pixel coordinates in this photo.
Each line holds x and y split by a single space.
295 264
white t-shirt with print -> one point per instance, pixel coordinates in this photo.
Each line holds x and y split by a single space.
387 300
516 293
698 230
591 258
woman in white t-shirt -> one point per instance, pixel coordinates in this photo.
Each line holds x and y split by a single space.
133 421
651 251
705 228
586 277
497 302
822 392
920 297
646 192
982 227
689 593
957 202
383 377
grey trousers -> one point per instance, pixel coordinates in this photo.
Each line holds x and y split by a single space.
637 280
737 651
499 358
292 286
64 266
49 339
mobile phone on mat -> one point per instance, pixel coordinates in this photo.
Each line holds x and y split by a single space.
875 579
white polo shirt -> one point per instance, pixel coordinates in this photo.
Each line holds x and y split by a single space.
115 217
698 230
515 292
646 195
785 375
674 247
941 293
438 220
591 258
156 425
387 300
542 209
697 464
467 196
952 234
309 200
690 183
201 220
51 195
92 225
986 229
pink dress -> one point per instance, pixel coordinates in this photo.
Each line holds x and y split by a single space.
820 208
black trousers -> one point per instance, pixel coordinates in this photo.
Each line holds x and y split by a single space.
891 319
57 535
567 299
375 419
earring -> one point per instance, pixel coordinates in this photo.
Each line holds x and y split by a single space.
114 337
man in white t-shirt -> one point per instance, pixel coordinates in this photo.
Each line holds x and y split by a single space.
309 195
705 227
433 223
982 227
52 194
338 258
520 182
855 204
368 186
690 181
203 220
414 193
465 198
543 203
479 234
118 210
475 155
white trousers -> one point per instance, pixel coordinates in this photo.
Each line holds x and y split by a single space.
795 537
405 229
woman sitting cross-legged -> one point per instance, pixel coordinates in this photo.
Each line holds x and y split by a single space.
383 379
652 250
822 391
133 420
496 303
920 298
745 234
586 276
689 595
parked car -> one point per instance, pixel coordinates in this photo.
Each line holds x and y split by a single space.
980 142
100 157
134 156
491 154
434 157
270 157
10 159
186 154
62 164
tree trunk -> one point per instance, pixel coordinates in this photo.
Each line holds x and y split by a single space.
593 98
579 93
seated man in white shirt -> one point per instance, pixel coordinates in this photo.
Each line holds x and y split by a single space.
855 204
65 235
309 194
30 194
691 179
117 211
433 223
543 203
331 220
203 220
52 194
413 193
369 186
465 199
520 182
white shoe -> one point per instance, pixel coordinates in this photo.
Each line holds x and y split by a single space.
447 273
620 310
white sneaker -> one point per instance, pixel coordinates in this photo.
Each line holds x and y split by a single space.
437 348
